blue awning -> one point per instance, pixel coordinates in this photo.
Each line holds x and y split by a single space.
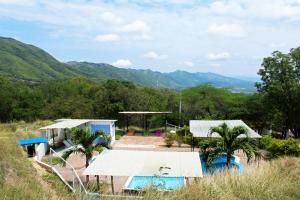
35 140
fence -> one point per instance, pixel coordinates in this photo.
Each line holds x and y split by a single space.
67 174
172 126
91 190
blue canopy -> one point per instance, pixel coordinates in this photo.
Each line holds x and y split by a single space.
35 140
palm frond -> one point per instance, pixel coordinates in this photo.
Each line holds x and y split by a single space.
70 151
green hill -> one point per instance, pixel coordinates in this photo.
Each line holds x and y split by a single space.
27 62
138 76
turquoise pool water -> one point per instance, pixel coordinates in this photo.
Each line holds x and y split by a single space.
171 183
161 182
219 163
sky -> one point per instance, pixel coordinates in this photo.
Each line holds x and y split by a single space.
229 37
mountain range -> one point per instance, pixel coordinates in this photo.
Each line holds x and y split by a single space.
27 62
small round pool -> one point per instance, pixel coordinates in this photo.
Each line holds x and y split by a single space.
220 162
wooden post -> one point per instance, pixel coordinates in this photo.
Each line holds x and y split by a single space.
144 124
187 181
52 131
112 184
127 123
98 183
193 143
165 123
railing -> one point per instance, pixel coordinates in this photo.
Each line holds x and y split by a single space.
74 175
173 126
82 191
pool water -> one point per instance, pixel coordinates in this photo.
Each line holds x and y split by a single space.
161 182
219 163
174 182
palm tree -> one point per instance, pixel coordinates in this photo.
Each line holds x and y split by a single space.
231 141
84 143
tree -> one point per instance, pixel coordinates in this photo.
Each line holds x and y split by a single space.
230 142
84 143
280 86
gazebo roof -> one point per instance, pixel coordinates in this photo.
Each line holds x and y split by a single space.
143 112
71 123
145 163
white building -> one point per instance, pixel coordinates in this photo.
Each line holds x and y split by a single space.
57 131
201 128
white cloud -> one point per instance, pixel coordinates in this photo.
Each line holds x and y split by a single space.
219 56
188 63
137 26
263 9
18 2
175 29
215 64
107 38
122 63
233 30
154 56
277 45
111 18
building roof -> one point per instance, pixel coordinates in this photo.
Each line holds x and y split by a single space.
35 140
201 128
144 112
145 163
71 123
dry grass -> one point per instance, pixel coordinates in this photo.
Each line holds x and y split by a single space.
18 178
278 179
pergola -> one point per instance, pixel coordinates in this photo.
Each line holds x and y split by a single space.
145 163
144 114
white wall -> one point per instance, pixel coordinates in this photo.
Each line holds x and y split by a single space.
41 150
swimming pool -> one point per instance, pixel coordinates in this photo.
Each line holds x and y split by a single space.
160 182
220 162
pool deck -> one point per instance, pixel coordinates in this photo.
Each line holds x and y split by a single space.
150 143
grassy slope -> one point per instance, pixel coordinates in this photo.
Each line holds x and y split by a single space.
19 179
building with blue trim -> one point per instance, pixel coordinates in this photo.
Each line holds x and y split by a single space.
57 133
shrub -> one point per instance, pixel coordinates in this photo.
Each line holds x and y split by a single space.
179 140
118 137
170 137
278 147
188 139
181 133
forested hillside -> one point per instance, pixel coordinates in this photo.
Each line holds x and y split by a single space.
141 77
27 62
82 98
